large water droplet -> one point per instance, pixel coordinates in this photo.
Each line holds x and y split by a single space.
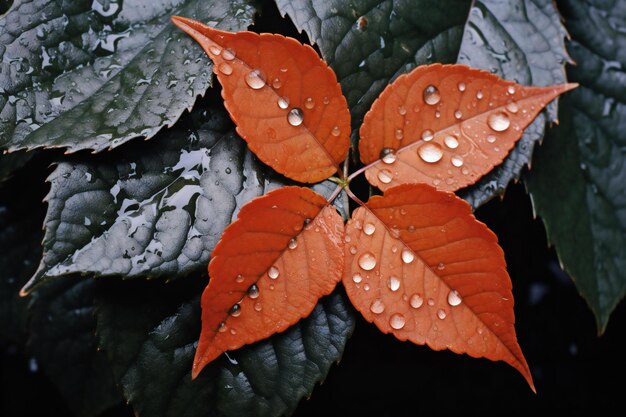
441 313
293 243
229 54
357 278
377 306
451 142
295 117
369 229
394 283
388 155
407 256
235 310
283 102
416 301
430 152
225 68
397 321
253 291
367 261
431 95
499 121
457 161
384 176
427 135
454 299
255 79
273 272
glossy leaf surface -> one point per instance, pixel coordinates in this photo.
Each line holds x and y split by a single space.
420 266
285 100
268 271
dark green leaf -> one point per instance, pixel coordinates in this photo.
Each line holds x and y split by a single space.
521 41
63 340
578 180
150 331
152 209
93 74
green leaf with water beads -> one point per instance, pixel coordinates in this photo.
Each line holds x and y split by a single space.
151 354
578 180
93 74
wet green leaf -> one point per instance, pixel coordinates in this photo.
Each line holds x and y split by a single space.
152 354
152 209
63 341
93 74
578 180
521 41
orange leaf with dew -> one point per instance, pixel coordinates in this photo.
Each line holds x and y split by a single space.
285 101
420 266
446 125
269 269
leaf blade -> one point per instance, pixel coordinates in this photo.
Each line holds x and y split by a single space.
421 267
271 266
285 100
446 126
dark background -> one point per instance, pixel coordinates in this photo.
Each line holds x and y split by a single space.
575 371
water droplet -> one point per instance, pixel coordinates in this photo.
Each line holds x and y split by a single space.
407 256
221 327
441 266
461 86
215 50
335 131
233 331
430 152
361 23
255 79
431 95
397 321
353 250
431 302
225 68
369 229
295 117
491 138
394 283
465 171
239 278
441 313
253 291
510 89
388 155
479 95
454 299
357 278
367 261
377 306
229 54
427 135
499 121
283 102
273 272
458 114
326 100
401 110
457 161
384 176
258 307
293 243
451 142
276 83
416 301
437 114
309 103
235 310
366 287
512 107
399 134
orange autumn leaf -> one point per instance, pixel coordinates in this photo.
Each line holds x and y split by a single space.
446 125
285 101
269 269
420 266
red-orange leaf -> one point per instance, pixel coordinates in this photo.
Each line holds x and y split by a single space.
446 125
271 266
420 266
285 100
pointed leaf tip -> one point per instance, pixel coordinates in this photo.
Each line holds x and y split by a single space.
446 125
283 253
420 266
284 98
